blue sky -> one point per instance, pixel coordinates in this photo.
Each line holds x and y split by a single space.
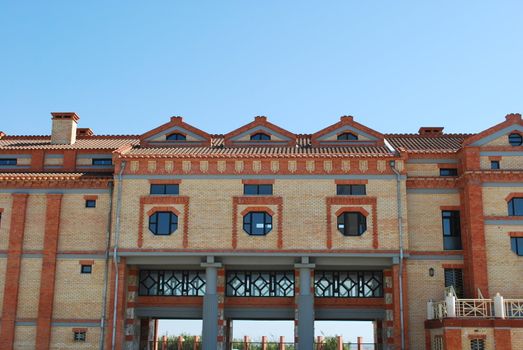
127 66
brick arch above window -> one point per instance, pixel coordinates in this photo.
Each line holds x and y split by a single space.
263 209
514 195
168 209
360 210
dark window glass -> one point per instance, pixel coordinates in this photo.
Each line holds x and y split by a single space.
494 164
352 224
163 223
515 207
451 229
516 243
176 137
257 189
86 269
477 344
10 161
79 336
448 172
102 161
90 203
165 189
343 190
347 136
260 137
454 278
515 139
257 223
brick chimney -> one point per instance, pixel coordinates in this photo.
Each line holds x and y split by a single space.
431 131
64 128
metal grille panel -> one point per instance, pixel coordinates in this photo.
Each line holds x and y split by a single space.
348 284
260 284
172 283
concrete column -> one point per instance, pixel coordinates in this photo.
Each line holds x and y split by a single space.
210 306
305 301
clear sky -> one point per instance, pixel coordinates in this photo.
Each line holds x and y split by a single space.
127 66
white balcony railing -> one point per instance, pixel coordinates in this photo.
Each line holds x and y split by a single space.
475 308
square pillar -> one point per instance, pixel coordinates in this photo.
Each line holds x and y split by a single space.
213 301
304 299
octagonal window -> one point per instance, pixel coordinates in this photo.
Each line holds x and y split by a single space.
257 223
163 223
352 223
515 139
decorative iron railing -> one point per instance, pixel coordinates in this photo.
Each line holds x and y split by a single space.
348 284
474 308
440 309
513 308
171 283
260 284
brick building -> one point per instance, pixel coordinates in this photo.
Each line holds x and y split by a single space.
422 234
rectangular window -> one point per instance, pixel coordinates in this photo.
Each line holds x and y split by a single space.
90 203
79 336
448 172
477 344
257 190
86 269
6 161
102 161
516 243
173 189
354 190
451 230
438 343
454 278
515 207
494 164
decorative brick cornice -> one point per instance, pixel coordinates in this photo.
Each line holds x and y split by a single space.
432 182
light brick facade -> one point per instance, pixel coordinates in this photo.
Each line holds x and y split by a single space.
48 233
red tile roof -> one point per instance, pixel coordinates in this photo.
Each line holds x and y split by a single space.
44 142
447 143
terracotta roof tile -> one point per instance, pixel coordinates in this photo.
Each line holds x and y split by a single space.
418 143
44 142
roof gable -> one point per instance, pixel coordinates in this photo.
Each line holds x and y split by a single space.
329 135
158 136
512 123
242 136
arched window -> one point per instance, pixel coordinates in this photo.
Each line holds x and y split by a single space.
163 223
352 223
176 137
515 139
347 136
257 223
260 137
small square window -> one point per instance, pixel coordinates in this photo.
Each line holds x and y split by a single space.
102 161
79 336
494 164
353 190
477 344
90 203
173 189
86 269
257 190
448 172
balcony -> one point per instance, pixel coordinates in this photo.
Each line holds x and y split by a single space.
452 307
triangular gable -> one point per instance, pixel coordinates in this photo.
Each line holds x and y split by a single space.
511 124
157 137
329 135
242 136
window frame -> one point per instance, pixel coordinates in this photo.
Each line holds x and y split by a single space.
260 136
448 172
164 189
173 223
80 336
347 136
351 189
516 245
477 344
8 161
101 161
452 231
344 219
86 269
495 165
249 225
513 136
90 203
257 189
456 275
513 210
178 137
